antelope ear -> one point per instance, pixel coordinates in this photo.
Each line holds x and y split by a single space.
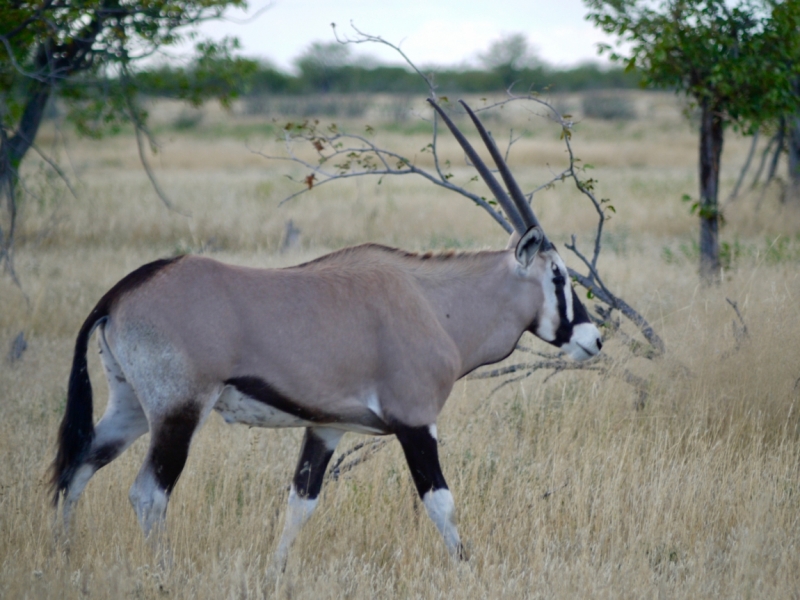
529 245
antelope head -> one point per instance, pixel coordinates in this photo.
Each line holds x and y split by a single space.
561 319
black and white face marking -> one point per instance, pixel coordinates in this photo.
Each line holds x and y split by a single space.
563 320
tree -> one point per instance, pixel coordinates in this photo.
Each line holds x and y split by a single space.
794 154
735 63
788 29
321 62
508 56
84 51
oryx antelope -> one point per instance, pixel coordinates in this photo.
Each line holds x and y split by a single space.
367 339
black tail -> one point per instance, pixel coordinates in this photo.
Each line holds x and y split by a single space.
77 427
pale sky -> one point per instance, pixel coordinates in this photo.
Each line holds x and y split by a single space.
430 32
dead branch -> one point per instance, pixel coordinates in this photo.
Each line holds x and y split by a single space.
549 493
342 155
142 132
779 148
745 168
363 451
762 163
740 332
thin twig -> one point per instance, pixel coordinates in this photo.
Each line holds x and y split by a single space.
740 332
549 493
763 162
53 165
745 168
369 447
141 131
367 38
407 167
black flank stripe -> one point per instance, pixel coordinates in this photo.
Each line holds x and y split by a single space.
258 389
261 391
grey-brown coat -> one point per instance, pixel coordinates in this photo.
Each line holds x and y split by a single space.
367 339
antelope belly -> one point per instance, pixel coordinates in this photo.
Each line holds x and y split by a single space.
236 407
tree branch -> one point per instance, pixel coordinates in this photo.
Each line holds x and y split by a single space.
354 155
745 168
142 132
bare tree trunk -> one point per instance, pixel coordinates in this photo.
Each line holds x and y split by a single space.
794 159
711 136
745 167
12 151
780 137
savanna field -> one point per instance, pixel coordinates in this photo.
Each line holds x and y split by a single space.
563 488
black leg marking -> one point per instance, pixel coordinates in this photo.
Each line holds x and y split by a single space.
422 456
170 445
101 456
314 459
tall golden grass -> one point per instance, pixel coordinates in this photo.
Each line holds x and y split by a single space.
562 488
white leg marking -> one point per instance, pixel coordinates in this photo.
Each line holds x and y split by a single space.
300 510
433 431
374 404
149 501
124 420
150 504
441 510
76 487
329 436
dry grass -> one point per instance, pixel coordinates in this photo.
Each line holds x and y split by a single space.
697 495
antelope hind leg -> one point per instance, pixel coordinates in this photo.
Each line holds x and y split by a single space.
122 424
170 439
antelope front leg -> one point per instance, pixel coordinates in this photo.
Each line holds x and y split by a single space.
420 447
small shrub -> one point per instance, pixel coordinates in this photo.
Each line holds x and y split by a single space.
332 106
608 107
188 119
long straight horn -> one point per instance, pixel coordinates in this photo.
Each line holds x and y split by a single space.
499 193
513 187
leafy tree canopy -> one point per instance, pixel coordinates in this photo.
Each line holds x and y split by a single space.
86 48
511 51
86 51
739 62
738 58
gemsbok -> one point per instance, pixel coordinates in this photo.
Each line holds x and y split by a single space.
367 339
